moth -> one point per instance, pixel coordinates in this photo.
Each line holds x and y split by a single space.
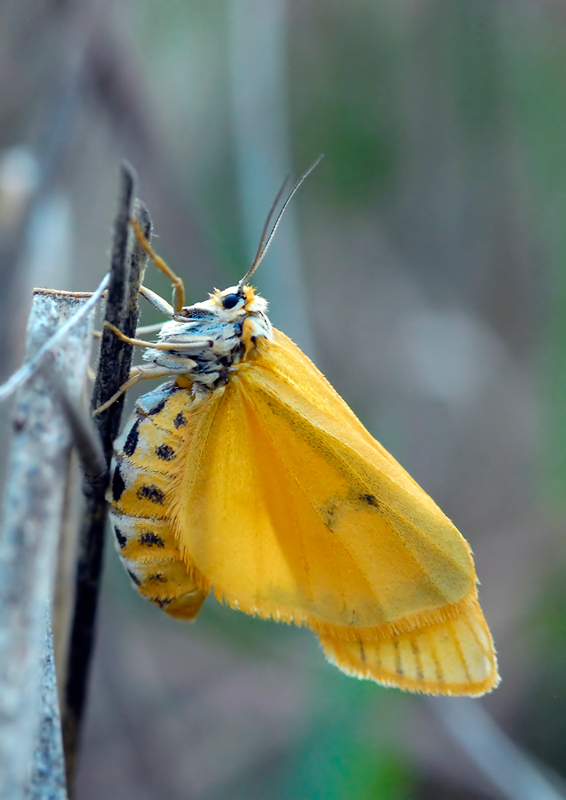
248 476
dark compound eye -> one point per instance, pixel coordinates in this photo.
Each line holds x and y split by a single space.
231 300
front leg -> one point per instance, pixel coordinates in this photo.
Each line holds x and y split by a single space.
158 302
136 374
176 281
182 346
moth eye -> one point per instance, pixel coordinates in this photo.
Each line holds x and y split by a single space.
231 300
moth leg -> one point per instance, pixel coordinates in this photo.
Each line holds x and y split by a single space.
136 374
141 330
177 283
149 328
195 344
158 302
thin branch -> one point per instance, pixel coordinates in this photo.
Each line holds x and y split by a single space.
113 370
85 437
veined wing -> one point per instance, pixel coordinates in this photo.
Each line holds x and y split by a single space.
291 510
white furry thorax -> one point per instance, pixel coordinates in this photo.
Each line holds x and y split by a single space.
215 340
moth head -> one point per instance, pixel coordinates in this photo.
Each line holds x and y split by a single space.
237 300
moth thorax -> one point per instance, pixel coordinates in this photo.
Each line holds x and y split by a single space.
210 347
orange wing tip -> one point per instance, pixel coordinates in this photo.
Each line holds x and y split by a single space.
454 657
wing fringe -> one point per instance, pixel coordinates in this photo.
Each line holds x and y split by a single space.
453 657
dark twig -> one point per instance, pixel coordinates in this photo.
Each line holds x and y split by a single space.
85 437
113 370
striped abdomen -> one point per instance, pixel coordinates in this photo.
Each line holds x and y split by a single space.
141 475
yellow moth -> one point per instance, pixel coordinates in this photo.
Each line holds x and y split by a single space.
248 476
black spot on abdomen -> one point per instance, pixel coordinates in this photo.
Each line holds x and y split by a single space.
158 407
149 539
152 493
134 577
132 439
122 541
164 452
118 484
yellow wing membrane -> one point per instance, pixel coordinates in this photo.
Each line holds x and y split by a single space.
292 510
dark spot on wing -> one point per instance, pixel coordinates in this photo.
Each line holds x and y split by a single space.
165 452
158 407
149 539
370 499
132 439
362 652
179 420
328 515
134 577
151 493
122 541
118 484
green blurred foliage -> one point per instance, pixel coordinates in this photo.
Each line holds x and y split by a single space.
336 766
344 81
537 69
541 723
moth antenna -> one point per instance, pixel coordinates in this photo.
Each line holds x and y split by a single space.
267 224
263 248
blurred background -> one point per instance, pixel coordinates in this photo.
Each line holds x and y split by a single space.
422 266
